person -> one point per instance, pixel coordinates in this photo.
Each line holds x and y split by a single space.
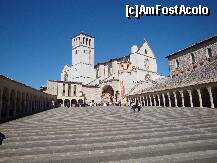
136 105
2 137
139 107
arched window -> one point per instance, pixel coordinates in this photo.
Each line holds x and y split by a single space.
209 53
89 41
177 63
192 58
83 39
86 41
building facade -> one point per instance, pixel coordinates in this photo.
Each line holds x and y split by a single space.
110 81
192 81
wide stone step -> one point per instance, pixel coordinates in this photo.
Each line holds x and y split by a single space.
120 153
209 156
98 139
89 134
103 145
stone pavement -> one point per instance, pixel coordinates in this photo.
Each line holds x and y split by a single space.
112 134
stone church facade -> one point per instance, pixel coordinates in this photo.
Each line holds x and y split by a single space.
110 81
192 81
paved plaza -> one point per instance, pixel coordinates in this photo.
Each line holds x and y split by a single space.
112 134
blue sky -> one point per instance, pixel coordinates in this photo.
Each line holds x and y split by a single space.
35 34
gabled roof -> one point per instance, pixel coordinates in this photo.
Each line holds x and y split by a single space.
192 46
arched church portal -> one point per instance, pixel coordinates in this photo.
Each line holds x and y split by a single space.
107 94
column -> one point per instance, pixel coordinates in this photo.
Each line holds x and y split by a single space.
190 96
210 97
164 103
144 101
200 98
150 100
158 97
66 90
168 94
141 100
174 93
147 102
155 104
183 99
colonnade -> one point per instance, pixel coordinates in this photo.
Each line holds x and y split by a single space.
18 100
203 96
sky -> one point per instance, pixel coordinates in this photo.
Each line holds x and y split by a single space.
35 34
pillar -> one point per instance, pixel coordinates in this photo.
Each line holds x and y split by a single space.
190 96
154 100
158 97
144 101
210 96
183 99
164 102
168 94
147 103
66 90
174 93
150 100
200 98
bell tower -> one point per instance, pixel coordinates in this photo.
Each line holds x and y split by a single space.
83 49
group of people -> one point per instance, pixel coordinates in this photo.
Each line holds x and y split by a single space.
136 105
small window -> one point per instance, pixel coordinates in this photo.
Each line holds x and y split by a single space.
146 51
192 58
76 52
84 51
177 63
209 53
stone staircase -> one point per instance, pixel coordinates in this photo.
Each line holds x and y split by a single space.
112 134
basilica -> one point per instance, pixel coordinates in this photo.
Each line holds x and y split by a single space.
84 82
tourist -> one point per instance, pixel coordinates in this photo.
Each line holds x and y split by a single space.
2 137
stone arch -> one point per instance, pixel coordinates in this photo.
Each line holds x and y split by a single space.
18 103
107 94
86 41
195 98
152 100
12 103
27 103
172 99
83 40
205 97
67 103
22 103
166 100
156 99
214 95
80 102
178 98
5 103
161 100
74 102
59 102
187 102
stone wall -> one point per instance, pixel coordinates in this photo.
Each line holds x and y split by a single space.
184 57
